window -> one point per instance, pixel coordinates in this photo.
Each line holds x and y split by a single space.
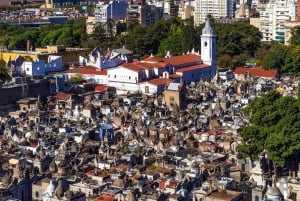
27 69
37 194
146 89
115 76
38 68
172 99
256 198
205 44
129 77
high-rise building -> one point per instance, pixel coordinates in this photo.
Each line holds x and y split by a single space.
143 14
114 10
169 9
274 17
216 8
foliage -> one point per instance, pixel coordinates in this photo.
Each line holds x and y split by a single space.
4 75
284 58
76 78
295 38
71 34
275 126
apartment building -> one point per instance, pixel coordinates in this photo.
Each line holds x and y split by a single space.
115 10
216 8
274 17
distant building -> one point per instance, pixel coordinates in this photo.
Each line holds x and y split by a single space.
143 14
243 72
217 9
40 67
274 17
103 60
175 95
169 9
114 10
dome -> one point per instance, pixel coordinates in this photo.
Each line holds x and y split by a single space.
119 183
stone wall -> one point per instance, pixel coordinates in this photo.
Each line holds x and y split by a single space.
10 95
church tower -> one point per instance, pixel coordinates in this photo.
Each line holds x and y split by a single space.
209 47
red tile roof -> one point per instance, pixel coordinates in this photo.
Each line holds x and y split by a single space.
152 59
173 76
134 66
162 184
87 71
93 171
101 88
191 68
106 198
93 71
160 81
183 59
62 95
256 72
122 167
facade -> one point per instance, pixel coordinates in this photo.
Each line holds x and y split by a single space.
151 75
175 94
185 11
170 9
144 14
274 17
39 67
217 9
288 31
114 10
90 24
98 59
208 48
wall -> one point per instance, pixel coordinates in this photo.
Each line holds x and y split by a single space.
12 94
122 75
6 56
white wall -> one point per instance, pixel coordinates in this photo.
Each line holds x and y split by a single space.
122 75
34 68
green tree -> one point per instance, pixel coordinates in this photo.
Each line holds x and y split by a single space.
76 78
295 38
4 74
276 58
275 126
225 61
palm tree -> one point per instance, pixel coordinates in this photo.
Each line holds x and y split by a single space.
4 74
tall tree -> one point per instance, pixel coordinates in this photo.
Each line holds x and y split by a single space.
4 74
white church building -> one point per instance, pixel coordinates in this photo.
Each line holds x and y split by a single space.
150 75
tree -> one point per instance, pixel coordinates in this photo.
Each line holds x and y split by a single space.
76 78
224 61
4 75
276 58
295 38
275 126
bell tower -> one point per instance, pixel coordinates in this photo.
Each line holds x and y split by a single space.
209 47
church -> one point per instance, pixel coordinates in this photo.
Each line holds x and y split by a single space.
151 75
